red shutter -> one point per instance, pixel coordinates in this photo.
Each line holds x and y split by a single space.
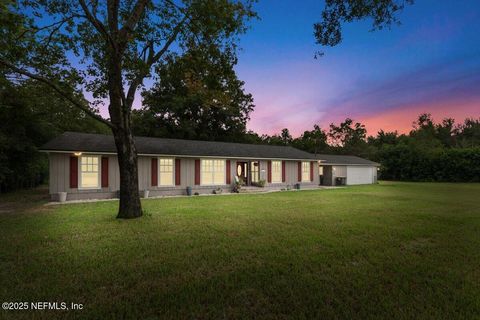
311 170
154 172
197 171
177 172
228 173
299 171
73 172
283 171
269 171
104 172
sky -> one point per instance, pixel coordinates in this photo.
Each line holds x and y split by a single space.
383 79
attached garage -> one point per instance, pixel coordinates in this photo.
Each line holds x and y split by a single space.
361 175
346 170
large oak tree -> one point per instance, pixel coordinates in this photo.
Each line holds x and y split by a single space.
105 50
197 96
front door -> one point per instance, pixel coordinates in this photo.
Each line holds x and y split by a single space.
242 171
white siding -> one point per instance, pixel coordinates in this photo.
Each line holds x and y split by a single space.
360 175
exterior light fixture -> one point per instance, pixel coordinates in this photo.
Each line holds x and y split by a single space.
78 154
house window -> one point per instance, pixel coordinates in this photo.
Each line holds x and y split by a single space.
212 172
89 173
255 169
165 171
276 171
305 171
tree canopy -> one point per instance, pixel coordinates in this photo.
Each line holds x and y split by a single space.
197 96
106 50
383 13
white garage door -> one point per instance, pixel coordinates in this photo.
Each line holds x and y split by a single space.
360 175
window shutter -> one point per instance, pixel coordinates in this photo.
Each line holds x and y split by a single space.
154 172
228 173
299 171
283 171
177 172
197 172
311 170
104 172
73 172
269 171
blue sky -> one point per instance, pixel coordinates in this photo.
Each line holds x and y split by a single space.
429 63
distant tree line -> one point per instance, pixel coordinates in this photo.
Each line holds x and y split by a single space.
429 152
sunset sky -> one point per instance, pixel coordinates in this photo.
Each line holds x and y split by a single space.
384 79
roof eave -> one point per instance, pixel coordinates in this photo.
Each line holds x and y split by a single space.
177 155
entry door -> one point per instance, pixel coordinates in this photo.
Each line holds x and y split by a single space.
242 171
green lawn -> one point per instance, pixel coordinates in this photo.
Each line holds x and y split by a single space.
394 250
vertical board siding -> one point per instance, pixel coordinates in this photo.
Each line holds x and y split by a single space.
73 172
228 172
51 176
154 172
64 170
311 170
113 174
104 172
187 172
145 173
339 171
177 172
269 171
291 172
299 164
197 171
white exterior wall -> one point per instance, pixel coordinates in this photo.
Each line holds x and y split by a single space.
361 175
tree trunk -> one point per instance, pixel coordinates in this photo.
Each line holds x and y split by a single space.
130 206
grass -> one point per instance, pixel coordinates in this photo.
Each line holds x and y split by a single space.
394 250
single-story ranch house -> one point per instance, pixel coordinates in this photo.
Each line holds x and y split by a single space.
84 166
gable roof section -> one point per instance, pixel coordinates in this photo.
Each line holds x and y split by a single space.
99 143
332 159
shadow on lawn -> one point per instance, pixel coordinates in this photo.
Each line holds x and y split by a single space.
28 200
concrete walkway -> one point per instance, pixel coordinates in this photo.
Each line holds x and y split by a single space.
52 203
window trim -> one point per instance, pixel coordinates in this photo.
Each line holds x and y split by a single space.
306 177
280 172
257 171
224 172
99 173
159 175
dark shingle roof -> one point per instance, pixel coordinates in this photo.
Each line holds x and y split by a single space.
345 160
87 142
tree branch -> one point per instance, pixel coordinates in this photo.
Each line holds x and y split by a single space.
132 21
152 58
172 38
69 97
112 8
97 24
60 22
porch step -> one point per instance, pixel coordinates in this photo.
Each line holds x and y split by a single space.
250 189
